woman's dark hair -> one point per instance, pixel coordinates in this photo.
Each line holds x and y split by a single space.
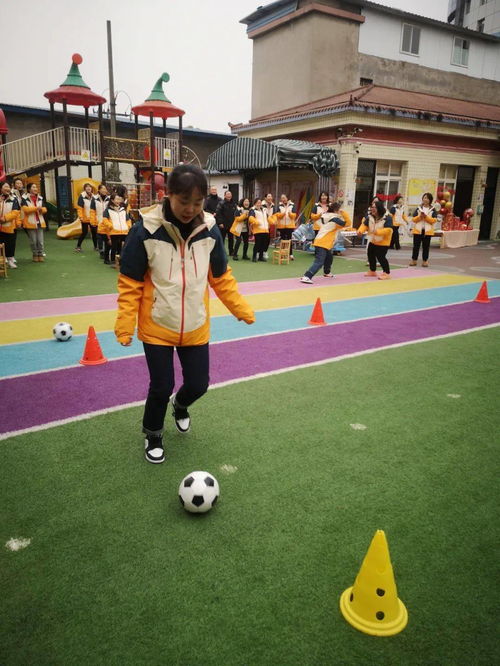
429 196
255 200
397 198
16 179
121 190
327 197
29 186
185 178
333 207
89 185
101 185
113 195
373 200
381 211
240 203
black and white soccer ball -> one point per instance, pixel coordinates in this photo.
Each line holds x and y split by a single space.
62 331
198 492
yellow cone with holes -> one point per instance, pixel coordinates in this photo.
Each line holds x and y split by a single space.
371 604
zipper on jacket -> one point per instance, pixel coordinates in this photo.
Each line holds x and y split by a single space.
194 260
171 264
183 271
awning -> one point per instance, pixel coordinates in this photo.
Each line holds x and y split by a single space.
247 154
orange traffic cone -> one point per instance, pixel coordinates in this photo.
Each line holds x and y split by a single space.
92 354
482 294
317 318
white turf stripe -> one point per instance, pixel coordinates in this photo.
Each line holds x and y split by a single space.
259 335
260 375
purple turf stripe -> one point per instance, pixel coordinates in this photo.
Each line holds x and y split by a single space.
49 396
60 307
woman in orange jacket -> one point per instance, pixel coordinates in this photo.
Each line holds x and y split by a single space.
286 216
424 219
319 208
9 221
33 221
116 224
171 257
83 208
378 227
240 229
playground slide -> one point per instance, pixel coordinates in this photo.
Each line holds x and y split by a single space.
71 230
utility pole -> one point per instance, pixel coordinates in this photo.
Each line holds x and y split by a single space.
112 102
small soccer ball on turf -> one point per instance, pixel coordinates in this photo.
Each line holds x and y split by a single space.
198 492
62 331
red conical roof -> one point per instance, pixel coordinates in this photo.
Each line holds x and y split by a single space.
3 123
74 90
157 104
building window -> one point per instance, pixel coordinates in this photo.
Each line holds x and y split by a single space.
460 55
410 39
480 25
467 6
388 179
365 82
447 180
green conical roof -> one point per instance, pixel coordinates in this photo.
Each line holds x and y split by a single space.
74 77
157 94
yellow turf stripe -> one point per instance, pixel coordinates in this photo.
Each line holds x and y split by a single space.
27 330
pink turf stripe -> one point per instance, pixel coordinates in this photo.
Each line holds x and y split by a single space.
64 306
56 306
287 284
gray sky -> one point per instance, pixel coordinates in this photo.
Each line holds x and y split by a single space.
200 43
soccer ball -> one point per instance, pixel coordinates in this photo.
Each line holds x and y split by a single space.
198 492
62 331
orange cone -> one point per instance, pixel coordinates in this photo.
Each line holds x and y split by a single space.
317 318
482 294
92 354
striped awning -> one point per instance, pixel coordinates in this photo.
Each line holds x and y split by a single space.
247 154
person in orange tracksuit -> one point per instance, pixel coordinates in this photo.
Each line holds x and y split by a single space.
171 257
116 224
99 204
9 221
424 219
378 226
320 207
398 218
34 221
330 223
83 208
286 215
240 229
259 223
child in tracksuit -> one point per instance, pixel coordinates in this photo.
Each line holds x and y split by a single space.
99 204
170 258
329 224
378 227
83 207
116 223
9 221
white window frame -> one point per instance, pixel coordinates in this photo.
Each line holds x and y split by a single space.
413 28
450 178
464 41
389 177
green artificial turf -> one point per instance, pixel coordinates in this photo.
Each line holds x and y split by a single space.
118 573
65 273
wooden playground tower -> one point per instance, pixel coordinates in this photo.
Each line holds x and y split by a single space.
67 146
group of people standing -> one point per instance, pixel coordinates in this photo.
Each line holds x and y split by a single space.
238 221
22 208
108 219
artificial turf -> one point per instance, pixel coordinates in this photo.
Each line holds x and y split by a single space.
65 273
117 572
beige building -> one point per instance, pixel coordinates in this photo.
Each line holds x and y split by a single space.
395 134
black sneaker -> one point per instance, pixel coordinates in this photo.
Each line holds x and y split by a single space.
154 449
181 417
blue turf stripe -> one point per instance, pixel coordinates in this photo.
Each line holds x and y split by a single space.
49 354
